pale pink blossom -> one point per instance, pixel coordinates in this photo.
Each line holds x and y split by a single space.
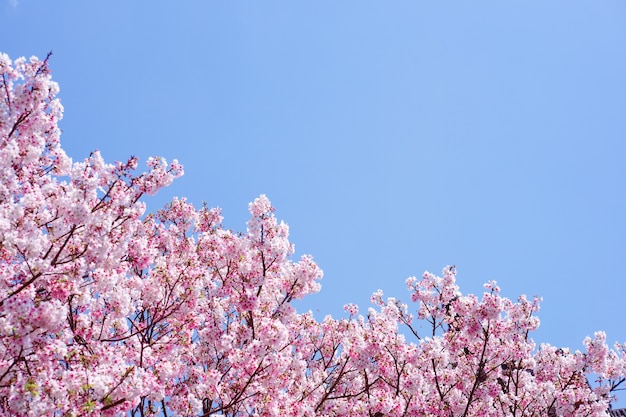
106 310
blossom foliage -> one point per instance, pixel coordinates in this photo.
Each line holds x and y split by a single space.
108 310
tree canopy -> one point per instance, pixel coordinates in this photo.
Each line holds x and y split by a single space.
107 310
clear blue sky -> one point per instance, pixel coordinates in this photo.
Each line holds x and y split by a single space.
393 137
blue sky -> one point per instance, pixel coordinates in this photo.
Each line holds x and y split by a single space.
393 137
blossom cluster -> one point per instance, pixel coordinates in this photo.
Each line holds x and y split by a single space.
107 310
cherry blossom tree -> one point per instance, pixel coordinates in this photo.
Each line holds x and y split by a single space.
107 310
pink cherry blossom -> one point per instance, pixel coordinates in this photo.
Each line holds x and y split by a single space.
107 310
